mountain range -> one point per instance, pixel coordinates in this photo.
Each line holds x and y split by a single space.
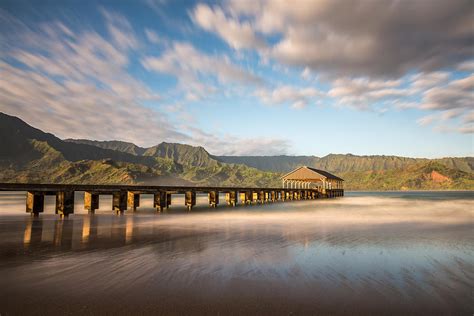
28 154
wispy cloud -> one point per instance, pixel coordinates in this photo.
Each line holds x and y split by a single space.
327 36
458 94
364 61
363 93
76 84
197 72
239 34
297 97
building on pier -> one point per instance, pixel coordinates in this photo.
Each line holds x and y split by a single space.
310 178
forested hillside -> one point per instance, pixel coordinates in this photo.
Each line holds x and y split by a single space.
30 155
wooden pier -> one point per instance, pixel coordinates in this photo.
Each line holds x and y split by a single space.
127 197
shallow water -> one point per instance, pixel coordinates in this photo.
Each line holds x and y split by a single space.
390 253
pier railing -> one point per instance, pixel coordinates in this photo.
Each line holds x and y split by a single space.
128 196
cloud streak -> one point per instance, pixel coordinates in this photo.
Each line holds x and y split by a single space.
194 70
369 38
77 85
297 97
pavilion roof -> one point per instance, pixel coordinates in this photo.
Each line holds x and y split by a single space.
305 173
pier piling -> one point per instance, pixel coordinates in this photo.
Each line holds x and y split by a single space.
133 200
34 203
91 201
65 203
213 198
261 197
231 198
160 201
190 199
119 201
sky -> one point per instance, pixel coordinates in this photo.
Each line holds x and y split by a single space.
246 77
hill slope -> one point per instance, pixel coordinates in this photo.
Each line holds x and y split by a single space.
344 163
30 155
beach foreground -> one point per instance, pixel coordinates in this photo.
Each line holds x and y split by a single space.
365 253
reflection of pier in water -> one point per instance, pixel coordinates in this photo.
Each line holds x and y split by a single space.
95 231
91 231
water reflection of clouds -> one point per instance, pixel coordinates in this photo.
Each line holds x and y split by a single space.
353 247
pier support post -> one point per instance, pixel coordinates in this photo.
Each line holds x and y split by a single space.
133 200
282 195
159 201
261 197
168 200
242 199
246 197
34 203
119 201
273 196
253 196
91 201
231 198
65 203
190 199
213 198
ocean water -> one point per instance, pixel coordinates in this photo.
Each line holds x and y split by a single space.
388 253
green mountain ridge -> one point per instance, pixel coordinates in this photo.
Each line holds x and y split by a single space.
30 155
340 163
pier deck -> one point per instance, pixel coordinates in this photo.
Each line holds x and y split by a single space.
128 196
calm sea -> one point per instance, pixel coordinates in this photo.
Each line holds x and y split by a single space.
367 253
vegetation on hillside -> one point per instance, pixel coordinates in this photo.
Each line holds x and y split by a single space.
30 155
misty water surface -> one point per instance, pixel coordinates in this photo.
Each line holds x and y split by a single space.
387 253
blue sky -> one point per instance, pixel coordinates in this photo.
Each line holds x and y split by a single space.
245 77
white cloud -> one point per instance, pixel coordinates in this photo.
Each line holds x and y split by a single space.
468 118
457 94
120 30
466 129
362 93
231 145
238 34
297 97
196 71
152 36
76 85
423 81
427 120
449 102
348 39
466 66
306 74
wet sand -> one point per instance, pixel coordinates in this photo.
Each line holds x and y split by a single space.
362 254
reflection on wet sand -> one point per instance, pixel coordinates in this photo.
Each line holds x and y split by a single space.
359 255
